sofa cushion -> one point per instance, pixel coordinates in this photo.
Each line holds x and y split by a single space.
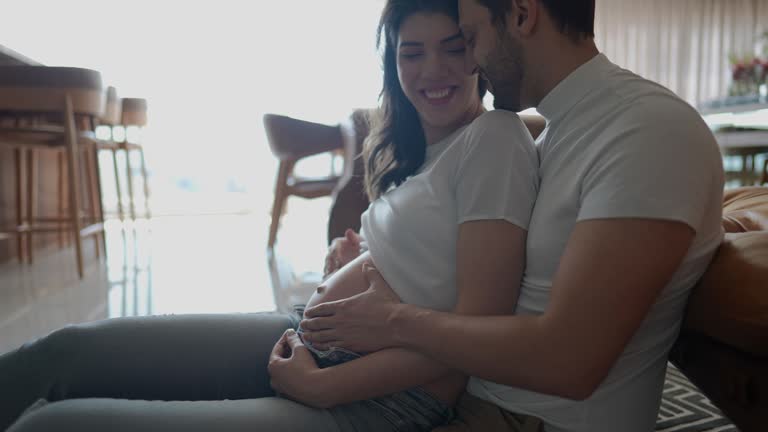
730 304
745 209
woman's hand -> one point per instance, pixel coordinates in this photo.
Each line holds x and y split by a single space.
358 323
341 252
295 374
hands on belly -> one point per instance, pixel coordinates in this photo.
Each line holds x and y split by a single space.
358 322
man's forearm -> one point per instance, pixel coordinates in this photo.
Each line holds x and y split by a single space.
378 374
515 350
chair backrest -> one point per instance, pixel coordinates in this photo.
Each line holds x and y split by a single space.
134 112
42 89
293 139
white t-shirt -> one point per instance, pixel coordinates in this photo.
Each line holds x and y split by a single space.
486 170
617 146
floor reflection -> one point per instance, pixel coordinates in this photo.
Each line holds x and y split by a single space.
166 265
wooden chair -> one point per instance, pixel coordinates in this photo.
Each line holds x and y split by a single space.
349 197
134 114
53 109
109 120
291 140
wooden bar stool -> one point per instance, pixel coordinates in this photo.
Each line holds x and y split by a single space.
291 140
53 109
134 114
109 120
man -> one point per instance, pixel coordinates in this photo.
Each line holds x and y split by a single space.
626 221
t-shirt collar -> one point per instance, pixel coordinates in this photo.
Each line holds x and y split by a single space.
574 87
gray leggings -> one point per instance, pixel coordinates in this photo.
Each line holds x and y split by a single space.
162 373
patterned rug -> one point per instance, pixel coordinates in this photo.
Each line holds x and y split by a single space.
685 409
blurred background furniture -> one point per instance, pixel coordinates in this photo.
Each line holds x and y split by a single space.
134 117
107 122
53 109
723 346
741 130
292 140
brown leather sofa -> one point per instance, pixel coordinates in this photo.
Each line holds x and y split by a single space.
723 346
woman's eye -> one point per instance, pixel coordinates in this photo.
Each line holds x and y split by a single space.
461 50
410 56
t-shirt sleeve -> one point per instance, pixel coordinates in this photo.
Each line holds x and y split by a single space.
497 177
659 163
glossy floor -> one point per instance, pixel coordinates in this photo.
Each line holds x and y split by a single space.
169 265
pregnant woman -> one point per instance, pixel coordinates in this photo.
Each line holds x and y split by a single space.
452 191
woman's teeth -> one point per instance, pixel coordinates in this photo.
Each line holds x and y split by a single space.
437 94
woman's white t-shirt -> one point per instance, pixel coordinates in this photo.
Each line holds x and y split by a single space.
487 170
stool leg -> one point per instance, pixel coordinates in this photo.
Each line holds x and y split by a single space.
99 198
145 182
74 181
19 168
120 212
61 199
90 189
129 176
31 199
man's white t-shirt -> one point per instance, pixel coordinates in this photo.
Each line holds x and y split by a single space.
487 170
617 146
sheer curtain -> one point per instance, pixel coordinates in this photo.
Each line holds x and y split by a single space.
681 44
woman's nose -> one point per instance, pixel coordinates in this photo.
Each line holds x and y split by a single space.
434 66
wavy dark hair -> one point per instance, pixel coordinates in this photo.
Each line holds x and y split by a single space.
396 147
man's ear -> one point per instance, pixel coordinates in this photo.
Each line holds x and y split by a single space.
523 16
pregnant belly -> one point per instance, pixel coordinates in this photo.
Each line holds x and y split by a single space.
349 281
346 282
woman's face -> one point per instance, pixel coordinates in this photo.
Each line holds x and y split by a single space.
431 68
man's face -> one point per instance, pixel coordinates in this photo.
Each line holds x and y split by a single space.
497 54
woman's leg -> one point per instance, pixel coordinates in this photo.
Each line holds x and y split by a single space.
113 415
183 357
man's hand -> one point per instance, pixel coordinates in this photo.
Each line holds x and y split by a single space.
295 374
341 252
357 323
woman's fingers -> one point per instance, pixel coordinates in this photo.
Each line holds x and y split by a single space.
294 341
352 237
279 351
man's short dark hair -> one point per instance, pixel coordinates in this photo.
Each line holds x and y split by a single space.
575 18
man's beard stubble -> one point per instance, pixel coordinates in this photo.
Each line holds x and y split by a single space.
504 73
